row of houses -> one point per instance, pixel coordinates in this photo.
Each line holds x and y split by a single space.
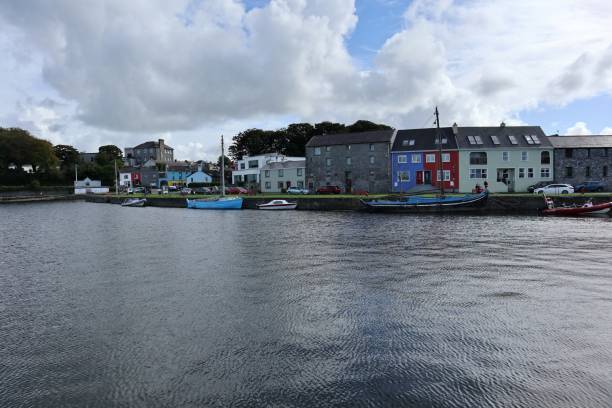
508 158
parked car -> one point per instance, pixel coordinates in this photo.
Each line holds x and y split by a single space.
129 190
203 190
555 189
328 190
140 190
537 185
186 191
297 190
236 190
590 186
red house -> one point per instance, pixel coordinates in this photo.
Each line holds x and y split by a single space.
450 169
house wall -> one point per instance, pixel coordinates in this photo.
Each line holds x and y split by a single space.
594 158
198 177
125 179
364 175
495 161
452 165
290 175
409 167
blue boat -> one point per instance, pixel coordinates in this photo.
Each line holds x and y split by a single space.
221 203
464 203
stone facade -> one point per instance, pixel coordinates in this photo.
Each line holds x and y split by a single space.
357 162
577 165
157 151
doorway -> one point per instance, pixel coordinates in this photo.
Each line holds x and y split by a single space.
348 182
427 177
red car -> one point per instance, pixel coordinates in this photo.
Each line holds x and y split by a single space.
328 190
236 190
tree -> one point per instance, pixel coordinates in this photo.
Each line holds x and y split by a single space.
108 154
366 125
18 147
329 127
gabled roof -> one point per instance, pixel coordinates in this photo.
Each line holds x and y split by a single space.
149 145
503 134
287 164
376 136
571 142
423 139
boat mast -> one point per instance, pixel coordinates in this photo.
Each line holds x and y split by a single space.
440 168
222 169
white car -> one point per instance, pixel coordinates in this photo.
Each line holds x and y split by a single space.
555 189
297 190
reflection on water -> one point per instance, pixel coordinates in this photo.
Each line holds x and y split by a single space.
108 306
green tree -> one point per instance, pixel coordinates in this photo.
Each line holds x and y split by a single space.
108 154
18 148
366 125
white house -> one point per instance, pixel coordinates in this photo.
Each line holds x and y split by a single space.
88 186
249 167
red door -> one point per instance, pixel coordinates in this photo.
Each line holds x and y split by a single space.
419 177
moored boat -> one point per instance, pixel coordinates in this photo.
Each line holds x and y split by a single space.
587 209
134 202
277 205
221 203
415 204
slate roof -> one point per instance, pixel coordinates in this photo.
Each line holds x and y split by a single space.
571 142
287 164
502 133
423 139
376 136
149 145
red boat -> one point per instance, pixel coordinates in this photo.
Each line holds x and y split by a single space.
587 209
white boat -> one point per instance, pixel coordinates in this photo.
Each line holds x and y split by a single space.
134 202
277 205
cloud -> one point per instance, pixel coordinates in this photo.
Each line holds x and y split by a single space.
606 131
579 128
127 71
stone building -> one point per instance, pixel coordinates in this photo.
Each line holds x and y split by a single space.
157 151
355 162
278 176
582 158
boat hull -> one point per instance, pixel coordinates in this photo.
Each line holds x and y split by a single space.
467 203
134 203
277 207
220 204
597 209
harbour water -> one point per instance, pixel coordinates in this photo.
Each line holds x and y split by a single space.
148 307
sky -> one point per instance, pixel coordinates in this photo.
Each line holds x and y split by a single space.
124 72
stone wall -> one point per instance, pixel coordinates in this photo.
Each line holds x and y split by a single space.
594 158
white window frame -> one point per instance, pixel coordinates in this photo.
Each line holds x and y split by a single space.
299 172
430 158
545 170
446 158
402 158
521 172
505 156
399 176
268 185
317 151
524 156
478 173
416 158
445 175
530 172
266 173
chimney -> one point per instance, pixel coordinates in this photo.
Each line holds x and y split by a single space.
455 128
161 143
502 125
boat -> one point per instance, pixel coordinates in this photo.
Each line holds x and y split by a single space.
416 204
436 204
134 202
219 203
277 205
587 208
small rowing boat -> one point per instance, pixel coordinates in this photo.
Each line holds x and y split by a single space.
277 205
587 209
134 202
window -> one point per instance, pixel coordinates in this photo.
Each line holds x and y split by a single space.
267 173
569 171
478 158
348 147
528 139
242 166
505 156
416 158
545 158
444 140
268 185
587 171
328 162
588 153
348 161
521 173
328 148
535 139
474 140
371 173
403 176
371 147
281 173
411 142
605 171
478 173
495 139
126 176
372 159
569 153
280 185
445 157
300 172
545 172
402 158
408 142
317 151
430 158
446 174
512 139
530 172
524 156
253 164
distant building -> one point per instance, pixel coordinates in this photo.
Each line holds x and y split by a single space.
247 171
129 177
351 161
149 177
88 186
88 157
278 176
198 177
176 173
582 158
157 151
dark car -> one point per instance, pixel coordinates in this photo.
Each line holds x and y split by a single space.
236 190
589 186
328 190
537 185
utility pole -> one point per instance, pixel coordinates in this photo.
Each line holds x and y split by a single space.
116 183
440 167
222 169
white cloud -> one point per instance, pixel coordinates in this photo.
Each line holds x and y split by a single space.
128 71
606 131
579 128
